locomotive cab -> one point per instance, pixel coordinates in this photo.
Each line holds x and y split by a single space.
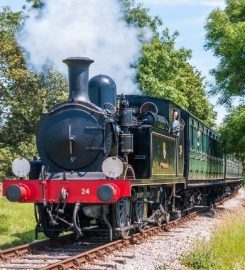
160 155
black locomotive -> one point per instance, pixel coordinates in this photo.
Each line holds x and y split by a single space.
120 162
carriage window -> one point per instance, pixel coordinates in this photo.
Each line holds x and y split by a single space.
192 137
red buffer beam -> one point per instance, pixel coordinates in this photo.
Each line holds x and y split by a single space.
71 191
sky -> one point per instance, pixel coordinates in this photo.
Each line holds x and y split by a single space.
188 18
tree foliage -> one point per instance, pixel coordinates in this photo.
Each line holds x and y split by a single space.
24 95
36 3
137 15
226 38
233 132
164 71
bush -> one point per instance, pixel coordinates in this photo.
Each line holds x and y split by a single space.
8 154
203 258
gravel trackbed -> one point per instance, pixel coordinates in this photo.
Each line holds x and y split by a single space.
166 248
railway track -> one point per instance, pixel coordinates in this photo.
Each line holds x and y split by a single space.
65 254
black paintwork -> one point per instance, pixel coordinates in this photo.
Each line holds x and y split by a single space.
75 135
78 78
102 89
35 169
71 138
140 158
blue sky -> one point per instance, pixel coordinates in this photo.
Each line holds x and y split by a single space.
188 18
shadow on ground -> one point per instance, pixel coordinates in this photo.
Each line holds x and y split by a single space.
19 239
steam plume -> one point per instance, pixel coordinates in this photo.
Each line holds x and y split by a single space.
91 28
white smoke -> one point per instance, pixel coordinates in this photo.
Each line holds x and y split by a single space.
91 28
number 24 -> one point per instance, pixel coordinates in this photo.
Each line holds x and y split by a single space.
85 191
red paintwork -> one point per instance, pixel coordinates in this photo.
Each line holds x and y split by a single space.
25 192
83 191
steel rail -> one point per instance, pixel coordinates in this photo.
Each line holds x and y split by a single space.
18 251
100 252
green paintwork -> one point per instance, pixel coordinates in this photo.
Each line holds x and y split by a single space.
233 167
206 158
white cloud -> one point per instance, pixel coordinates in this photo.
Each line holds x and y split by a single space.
207 3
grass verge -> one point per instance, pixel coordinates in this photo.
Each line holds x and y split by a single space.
225 250
17 223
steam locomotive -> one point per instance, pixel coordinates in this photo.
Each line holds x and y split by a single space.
119 163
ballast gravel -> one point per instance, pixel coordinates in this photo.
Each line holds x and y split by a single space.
166 249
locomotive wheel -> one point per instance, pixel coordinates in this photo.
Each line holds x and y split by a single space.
43 222
139 210
50 234
49 230
123 217
123 209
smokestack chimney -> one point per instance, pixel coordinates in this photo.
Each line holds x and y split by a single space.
78 69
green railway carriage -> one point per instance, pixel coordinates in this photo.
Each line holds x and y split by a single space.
205 155
233 167
205 159
194 155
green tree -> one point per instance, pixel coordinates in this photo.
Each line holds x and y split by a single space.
36 3
24 95
163 70
226 38
137 15
233 132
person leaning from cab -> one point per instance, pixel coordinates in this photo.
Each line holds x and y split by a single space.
176 123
